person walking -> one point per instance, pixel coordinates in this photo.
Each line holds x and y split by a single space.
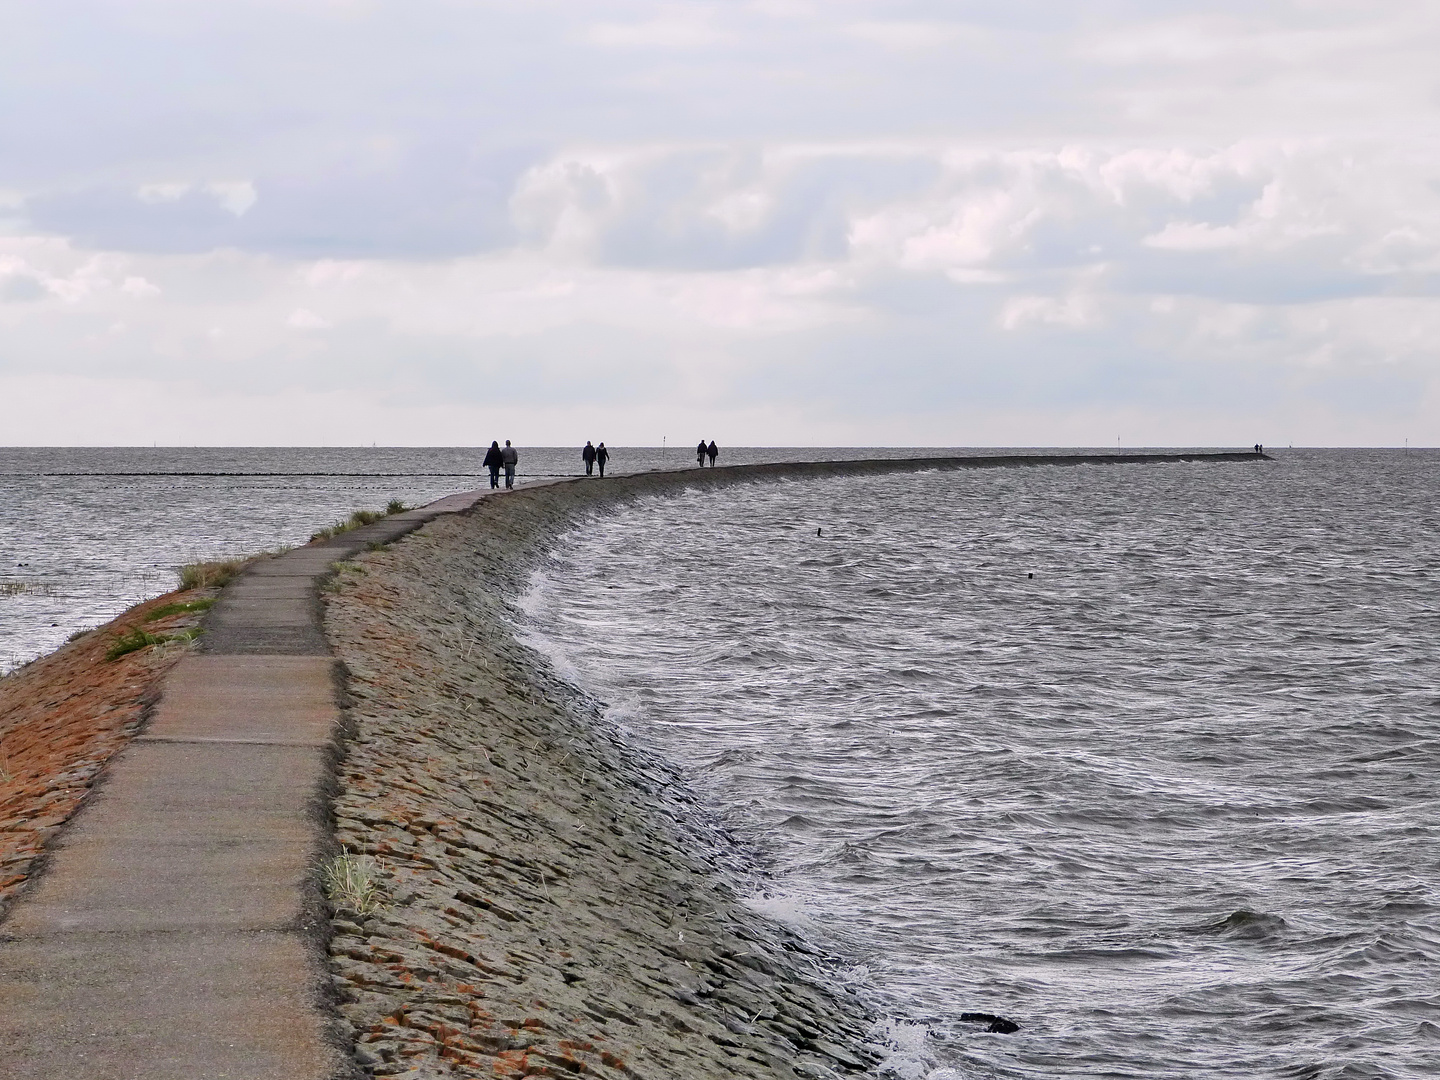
588 456
601 456
493 463
712 452
509 457
700 454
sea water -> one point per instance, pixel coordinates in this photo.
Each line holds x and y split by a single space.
85 532
1142 757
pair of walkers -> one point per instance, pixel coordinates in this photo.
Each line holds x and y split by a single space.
497 459
702 452
593 456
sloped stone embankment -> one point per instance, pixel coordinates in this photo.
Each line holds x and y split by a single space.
554 904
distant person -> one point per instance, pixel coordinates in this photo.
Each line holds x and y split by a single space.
601 456
700 454
509 457
1257 448
588 456
712 452
493 461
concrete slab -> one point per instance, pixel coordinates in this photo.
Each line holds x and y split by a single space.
171 1006
192 879
278 611
305 562
274 588
243 639
280 699
162 785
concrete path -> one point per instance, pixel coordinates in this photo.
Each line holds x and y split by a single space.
175 933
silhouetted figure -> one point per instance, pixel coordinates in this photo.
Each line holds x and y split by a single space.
493 463
588 456
509 457
712 452
700 454
601 456
1257 448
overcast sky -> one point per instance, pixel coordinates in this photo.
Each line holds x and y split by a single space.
769 222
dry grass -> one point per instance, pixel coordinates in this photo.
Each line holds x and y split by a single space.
359 519
135 639
26 588
352 882
210 575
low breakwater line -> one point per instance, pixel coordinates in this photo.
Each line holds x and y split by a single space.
553 901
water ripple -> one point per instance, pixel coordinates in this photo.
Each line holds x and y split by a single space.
1169 802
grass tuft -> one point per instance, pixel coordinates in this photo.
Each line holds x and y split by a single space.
359 519
210 575
181 607
133 641
352 882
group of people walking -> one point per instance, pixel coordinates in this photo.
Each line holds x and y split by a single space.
594 456
497 459
507 457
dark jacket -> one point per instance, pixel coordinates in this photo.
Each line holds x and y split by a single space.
492 458
588 453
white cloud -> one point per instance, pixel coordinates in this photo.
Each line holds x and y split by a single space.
679 31
833 213
915 35
304 319
163 192
137 286
234 196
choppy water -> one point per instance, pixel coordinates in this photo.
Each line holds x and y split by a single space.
86 532
1170 803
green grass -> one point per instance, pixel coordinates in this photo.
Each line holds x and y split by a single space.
181 607
133 641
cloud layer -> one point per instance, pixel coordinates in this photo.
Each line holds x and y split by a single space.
782 222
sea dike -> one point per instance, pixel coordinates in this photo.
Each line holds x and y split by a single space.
553 902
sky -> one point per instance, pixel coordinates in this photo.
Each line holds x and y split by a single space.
768 222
